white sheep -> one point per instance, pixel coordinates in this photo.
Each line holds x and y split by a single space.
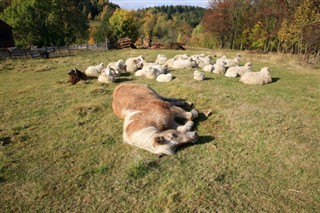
165 77
199 76
169 62
140 73
107 76
134 63
257 78
119 66
238 70
232 62
219 68
94 71
180 56
202 60
208 68
161 59
156 70
223 58
184 63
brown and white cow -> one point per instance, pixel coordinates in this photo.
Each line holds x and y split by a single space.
149 119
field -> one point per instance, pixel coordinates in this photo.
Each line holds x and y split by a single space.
61 145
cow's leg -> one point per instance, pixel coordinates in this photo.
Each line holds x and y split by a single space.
181 113
183 128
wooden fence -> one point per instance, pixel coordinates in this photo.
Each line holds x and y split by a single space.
46 52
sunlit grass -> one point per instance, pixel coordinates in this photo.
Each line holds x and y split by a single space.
61 145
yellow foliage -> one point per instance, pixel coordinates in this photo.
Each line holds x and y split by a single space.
91 40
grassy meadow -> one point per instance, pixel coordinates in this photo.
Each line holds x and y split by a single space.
61 145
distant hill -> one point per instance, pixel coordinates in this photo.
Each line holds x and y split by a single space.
191 14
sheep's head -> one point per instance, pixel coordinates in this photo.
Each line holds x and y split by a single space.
248 64
265 71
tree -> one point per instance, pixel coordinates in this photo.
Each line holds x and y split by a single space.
123 24
45 22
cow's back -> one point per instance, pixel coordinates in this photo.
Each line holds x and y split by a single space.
131 97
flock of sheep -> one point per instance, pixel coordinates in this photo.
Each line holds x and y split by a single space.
159 70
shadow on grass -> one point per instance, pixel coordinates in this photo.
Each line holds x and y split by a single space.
120 80
274 80
126 74
202 140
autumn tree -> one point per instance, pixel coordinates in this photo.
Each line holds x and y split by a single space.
45 22
123 24
300 34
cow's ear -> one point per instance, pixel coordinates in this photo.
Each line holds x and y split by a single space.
160 140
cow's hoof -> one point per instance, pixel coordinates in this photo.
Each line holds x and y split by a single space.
195 114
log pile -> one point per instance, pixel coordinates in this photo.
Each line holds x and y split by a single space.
123 43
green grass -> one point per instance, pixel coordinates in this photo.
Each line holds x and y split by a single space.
61 146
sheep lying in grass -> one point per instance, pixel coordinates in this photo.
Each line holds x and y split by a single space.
119 66
257 78
202 60
184 63
161 59
208 68
238 70
145 68
164 77
223 58
219 68
180 56
232 62
156 70
94 71
107 76
134 63
199 76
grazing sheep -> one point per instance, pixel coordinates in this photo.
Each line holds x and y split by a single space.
134 63
199 76
76 75
107 76
257 78
164 77
119 66
161 59
238 70
94 71
219 68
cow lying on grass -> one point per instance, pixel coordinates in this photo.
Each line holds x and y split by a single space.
149 119
76 75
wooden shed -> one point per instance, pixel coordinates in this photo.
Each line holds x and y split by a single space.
6 35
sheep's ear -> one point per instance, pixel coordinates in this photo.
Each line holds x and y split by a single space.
160 140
